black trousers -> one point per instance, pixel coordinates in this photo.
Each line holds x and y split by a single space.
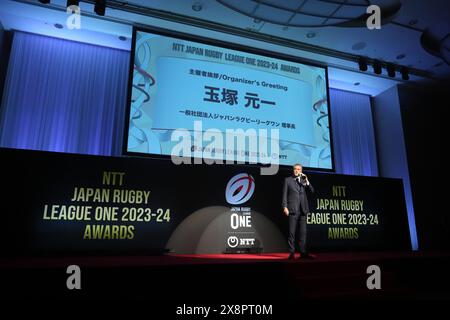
297 227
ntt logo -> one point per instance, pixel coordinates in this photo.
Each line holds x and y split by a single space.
240 188
233 241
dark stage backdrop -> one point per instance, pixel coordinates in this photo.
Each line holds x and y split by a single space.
56 203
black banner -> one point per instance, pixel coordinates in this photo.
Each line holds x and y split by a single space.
56 203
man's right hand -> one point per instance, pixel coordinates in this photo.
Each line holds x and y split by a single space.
286 211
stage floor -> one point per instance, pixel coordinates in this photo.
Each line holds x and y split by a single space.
189 259
218 277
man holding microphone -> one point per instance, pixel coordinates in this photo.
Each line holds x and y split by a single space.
295 207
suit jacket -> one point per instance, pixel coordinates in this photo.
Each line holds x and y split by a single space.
295 196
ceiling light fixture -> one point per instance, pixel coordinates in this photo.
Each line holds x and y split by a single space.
391 70
377 67
100 7
72 3
362 64
405 73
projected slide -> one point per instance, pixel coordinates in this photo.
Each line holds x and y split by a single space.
196 87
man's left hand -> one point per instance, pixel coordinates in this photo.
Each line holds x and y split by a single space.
306 179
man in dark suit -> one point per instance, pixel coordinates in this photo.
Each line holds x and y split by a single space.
295 206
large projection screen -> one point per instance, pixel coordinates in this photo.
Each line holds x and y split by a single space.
213 90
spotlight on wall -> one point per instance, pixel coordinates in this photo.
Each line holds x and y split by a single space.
100 7
73 3
376 67
391 70
362 64
405 73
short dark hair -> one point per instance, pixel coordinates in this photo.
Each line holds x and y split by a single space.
297 164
